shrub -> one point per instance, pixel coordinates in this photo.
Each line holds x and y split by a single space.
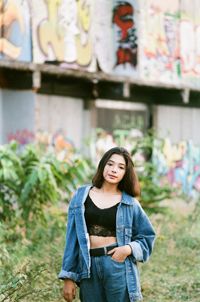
31 179
152 191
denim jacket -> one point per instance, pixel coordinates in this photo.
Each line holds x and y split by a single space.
132 227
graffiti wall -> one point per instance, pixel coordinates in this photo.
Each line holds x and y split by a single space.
62 33
190 41
159 30
104 35
154 40
125 22
15 30
180 164
115 36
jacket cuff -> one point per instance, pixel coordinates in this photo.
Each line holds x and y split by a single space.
136 250
68 275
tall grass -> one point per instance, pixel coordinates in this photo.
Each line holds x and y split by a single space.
173 273
29 265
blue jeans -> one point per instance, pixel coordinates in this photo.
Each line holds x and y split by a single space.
107 282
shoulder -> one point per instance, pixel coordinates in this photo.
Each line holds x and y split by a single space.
83 189
136 202
79 195
130 200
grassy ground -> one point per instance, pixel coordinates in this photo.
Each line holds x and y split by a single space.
173 272
30 267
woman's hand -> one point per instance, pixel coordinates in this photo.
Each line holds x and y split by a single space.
69 290
120 253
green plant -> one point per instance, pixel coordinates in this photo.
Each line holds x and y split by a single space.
32 179
152 191
11 173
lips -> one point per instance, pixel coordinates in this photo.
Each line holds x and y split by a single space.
112 176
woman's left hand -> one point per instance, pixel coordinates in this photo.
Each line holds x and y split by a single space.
120 253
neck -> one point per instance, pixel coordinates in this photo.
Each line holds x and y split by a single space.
108 188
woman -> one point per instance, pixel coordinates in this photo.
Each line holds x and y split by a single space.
107 234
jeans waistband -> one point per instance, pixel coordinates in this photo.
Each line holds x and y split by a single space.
102 251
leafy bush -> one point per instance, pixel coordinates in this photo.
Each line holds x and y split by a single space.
31 179
152 191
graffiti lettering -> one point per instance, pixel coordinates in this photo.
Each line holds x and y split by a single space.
190 47
181 165
50 32
8 15
125 55
83 40
123 18
126 32
161 41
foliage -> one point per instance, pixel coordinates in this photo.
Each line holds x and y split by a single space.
30 266
31 179
142 148
152 191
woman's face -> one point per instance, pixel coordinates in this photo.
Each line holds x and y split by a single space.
114 169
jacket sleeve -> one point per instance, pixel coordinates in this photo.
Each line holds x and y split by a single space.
70 261
143 235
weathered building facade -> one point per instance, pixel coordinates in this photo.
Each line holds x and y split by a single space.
62 62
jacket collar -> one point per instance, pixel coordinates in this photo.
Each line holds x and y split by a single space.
126 198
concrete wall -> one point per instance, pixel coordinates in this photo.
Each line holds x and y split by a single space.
25 110
54 113
17 112
178 123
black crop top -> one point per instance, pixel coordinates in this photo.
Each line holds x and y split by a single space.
100 222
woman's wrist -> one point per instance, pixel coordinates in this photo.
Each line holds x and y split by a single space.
68 280
129 249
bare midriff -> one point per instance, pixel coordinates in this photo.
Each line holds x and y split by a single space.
99 241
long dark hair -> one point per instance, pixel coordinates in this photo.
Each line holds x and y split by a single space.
129 183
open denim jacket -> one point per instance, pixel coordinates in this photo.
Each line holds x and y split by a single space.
132 227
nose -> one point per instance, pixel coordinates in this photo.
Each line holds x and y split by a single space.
114 169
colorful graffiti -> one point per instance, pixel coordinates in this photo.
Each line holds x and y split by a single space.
124 21
64 35
65 32
180 164
57 142
15 31
84 50
23 137
177 165
190 41
160 36
51 33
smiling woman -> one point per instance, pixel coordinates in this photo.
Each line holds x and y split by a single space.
107 234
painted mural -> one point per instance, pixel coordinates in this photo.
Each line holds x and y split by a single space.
190 41
157 41
179 164
62 33
15 30
125 19
115 35
159 29
56 142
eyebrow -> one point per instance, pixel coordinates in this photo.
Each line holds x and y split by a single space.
112 161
